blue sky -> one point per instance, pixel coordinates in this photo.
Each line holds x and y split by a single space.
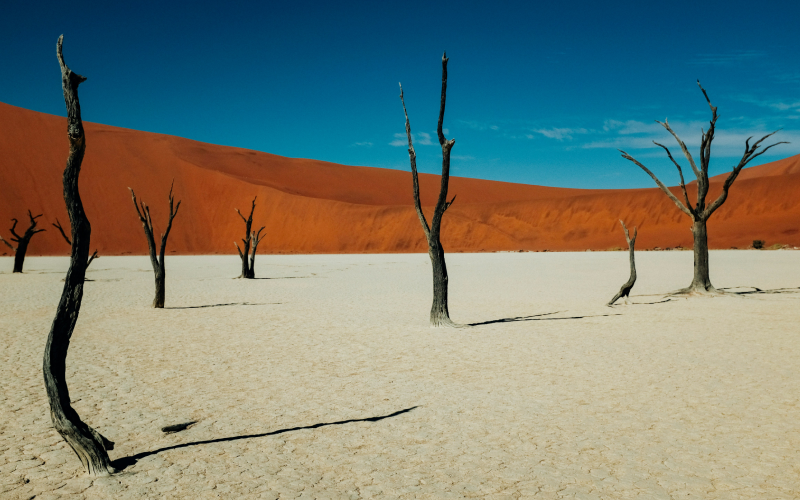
539 92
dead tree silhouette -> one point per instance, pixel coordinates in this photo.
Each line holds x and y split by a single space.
57 225
87 443
626 288
700 213
157 262
22 241
250 238
440 315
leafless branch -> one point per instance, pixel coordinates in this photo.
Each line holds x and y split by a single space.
413 159
8 244
680 172
685 150
748 155
61 230
16 237
661 185
94 256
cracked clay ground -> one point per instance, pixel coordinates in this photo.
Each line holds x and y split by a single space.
683 399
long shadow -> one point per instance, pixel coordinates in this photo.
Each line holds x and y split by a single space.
228 304
538 317
285 277
760 291
122 463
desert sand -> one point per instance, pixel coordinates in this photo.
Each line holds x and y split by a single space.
310 206
325 381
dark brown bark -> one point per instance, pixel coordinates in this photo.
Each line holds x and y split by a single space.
22 241
246 241
87 443
57 225
256 238
157 262
440 315
625 290
699 212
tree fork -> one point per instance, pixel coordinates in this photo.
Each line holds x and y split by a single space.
88 444
625 290
440 315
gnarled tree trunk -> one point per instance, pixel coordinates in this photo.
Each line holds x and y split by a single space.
701 283
625 290
246 241
157 262
22 241
86 442
440 315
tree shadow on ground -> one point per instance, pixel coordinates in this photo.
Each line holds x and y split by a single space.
285 277
632 303
122 463
538 317
228 304
758 291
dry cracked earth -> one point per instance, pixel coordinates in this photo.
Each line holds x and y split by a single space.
324 381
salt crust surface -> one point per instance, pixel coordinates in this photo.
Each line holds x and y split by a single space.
689 398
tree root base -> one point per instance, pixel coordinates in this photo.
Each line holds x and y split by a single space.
699 291
446 323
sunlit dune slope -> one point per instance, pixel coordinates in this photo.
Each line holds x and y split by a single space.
310 206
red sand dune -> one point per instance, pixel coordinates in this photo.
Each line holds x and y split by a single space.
311 206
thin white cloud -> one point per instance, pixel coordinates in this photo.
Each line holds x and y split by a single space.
772 104
476 125
728 58
560 133
462 157
419 138
365 144
422 138
633 135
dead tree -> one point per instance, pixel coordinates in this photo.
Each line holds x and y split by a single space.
57 225
157 262
440 315
22 241
256 239
87 443
247 272
625 291
700 213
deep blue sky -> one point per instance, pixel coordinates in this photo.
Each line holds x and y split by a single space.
539 92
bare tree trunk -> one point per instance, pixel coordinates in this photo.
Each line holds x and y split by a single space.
701 284
22 241
625 291
87 443
243 254
157 262
19 256
161 280
57 225
440 315
701 281
256 238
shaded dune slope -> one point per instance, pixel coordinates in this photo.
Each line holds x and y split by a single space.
311 206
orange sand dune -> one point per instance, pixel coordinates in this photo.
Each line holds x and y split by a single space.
311 206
